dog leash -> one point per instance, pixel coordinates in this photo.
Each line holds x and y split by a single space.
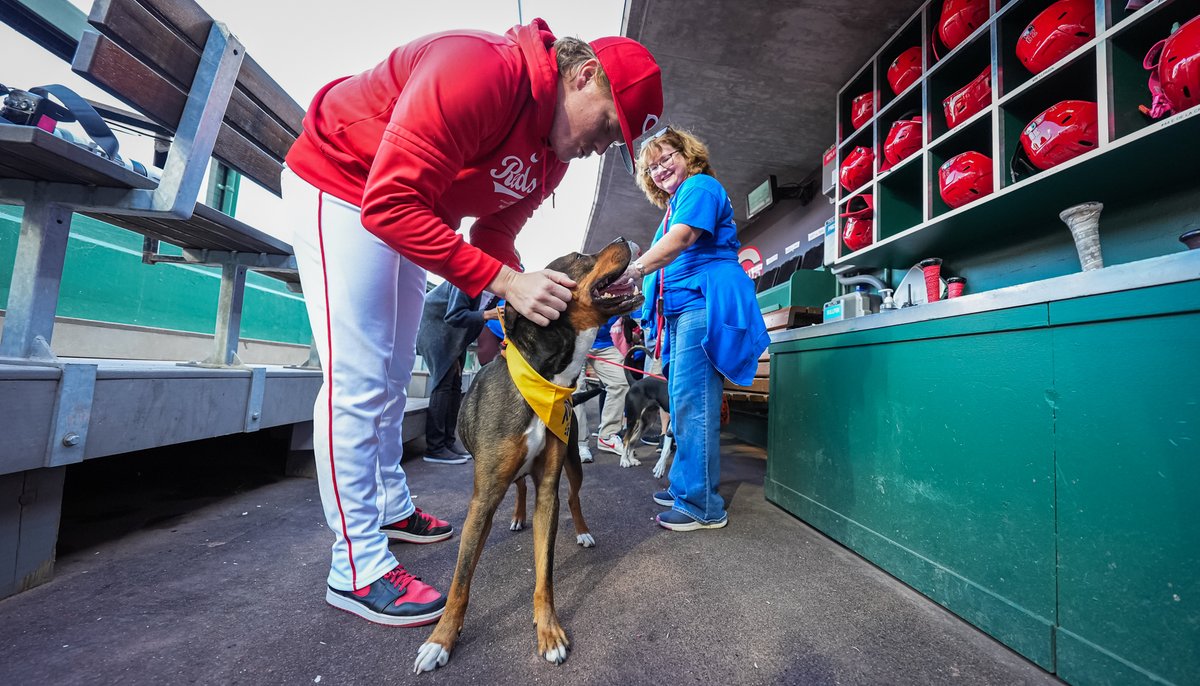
660 320
632 369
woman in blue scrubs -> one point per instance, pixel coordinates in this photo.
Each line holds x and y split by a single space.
712 319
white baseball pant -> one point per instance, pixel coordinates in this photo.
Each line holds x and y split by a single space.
364 303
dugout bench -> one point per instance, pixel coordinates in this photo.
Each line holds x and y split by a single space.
183 71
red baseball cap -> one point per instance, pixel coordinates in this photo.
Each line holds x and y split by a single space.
636 84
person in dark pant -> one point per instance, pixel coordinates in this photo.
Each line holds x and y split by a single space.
450 321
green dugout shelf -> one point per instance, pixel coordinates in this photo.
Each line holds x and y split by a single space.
1027 457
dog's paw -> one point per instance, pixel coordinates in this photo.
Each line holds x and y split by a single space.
586 540
557 654
660 468
430 657
516 525
629 461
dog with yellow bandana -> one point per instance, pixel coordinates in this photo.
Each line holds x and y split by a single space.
516 420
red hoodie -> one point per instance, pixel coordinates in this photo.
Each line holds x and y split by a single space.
449 126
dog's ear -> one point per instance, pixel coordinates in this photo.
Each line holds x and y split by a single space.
510 317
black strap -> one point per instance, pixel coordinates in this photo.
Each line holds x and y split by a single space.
1019 166
85 114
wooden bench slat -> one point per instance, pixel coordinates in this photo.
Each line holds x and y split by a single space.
757 386
27 152
110 67
172 35
192 21
207 229
764 370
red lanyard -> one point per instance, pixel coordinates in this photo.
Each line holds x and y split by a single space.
662 277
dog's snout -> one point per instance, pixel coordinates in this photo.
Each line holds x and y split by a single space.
634 249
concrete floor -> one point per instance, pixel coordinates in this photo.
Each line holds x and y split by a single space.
167 577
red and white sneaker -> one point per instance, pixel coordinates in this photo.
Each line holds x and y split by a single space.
394 599
419 527
611 443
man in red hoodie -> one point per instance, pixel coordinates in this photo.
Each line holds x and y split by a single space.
453 125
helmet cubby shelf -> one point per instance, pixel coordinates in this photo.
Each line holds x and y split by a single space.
901 62
975 137
1127 46
856 105
899 201
908 133
862 137
1074 81
908 100
963 86
1129 160
1020 61
1118 15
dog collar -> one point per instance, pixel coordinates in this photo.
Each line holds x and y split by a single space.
549 401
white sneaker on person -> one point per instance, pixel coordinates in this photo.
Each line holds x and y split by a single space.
585 454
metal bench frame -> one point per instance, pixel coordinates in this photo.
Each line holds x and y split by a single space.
46 224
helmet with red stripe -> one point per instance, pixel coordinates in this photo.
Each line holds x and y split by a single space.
965 178
857 168
960 18
904 70
1055 33
860 218
1064 131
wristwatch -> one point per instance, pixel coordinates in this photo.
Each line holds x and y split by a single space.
637 264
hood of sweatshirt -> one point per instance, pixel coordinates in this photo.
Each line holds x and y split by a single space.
536 42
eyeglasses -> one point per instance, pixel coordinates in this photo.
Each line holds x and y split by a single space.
662 162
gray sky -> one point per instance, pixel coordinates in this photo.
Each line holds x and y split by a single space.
305 44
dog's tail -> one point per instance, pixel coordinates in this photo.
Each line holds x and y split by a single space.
580 397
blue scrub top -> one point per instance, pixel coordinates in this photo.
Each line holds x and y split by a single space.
702 203
707 275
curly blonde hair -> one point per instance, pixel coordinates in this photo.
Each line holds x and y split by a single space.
692 149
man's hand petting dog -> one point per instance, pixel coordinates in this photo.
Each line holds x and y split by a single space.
540 296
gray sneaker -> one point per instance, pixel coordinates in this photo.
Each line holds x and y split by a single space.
445 456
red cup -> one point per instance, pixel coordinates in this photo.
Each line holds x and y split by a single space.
932 267
954 286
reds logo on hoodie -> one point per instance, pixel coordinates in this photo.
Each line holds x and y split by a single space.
513 179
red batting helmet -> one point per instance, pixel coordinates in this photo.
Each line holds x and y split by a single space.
969 99
856 168
905 70
859 216
903 139
1056 32
965 178
861 108
960 18
1175 70
1065 130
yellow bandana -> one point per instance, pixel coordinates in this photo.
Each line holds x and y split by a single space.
549 401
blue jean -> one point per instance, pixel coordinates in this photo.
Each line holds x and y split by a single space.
695 387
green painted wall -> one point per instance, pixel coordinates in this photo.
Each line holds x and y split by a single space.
1031 469
104 279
